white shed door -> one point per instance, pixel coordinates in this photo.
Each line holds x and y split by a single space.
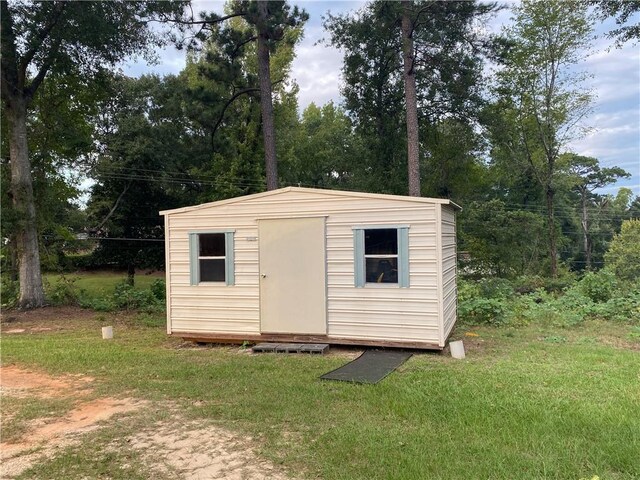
293 276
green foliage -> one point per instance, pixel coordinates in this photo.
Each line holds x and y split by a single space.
599 287
448 52
127 297
9 290
482 311
534 300
65 291
159 289
70 290
623 257
500 240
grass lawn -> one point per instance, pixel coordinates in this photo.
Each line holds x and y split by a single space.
529 402
100 283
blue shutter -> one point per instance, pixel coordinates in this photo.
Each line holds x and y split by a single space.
229 264
193 259
358 257
403 257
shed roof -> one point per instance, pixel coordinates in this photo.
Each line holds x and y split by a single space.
337 193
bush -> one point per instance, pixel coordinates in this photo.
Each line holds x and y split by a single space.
159 289
64 291
480 310
623 256
599 287
9 291
125 296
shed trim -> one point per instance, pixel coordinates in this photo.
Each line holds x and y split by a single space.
379 227
342 193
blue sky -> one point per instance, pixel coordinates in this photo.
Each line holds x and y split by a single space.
614 125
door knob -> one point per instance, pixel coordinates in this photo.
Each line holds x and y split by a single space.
264 275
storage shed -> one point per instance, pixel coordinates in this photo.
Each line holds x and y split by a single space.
310 265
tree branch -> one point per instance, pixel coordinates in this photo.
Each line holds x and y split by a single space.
44 33
9 81
44 69
231 100
115 206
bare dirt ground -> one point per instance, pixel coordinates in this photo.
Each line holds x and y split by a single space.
174 449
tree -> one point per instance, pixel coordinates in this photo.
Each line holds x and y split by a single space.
390 46
541 99
325 152
269 22
588 176
621 11
497 242
149 148
623 257
224 100
410 98
43 38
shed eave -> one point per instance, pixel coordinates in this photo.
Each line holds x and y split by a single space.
342 193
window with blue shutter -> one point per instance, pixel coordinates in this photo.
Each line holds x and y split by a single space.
211 257
381 255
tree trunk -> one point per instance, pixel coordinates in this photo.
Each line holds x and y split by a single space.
131 272
411 100
266 102
584 222
553 249
26 235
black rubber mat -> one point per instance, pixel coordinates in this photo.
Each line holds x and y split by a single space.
370 367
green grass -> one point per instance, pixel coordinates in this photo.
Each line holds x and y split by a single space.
531 402
100 283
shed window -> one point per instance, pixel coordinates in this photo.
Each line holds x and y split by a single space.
381 256
211 257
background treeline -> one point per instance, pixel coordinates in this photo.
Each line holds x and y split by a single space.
494 140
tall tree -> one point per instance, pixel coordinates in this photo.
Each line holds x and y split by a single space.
388 48
41 38
269 22
542 101
410 98
588 176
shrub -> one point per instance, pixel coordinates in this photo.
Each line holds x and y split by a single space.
480 310
623 256
599 287
9 291
64 291
159 289
497 288
125 296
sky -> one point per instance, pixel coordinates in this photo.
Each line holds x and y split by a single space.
614 124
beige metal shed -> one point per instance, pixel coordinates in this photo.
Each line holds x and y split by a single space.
310 265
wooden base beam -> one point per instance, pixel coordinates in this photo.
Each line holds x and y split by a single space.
295 338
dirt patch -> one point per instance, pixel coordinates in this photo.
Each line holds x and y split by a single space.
51 315
175 448
19 382
193 452
45 435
